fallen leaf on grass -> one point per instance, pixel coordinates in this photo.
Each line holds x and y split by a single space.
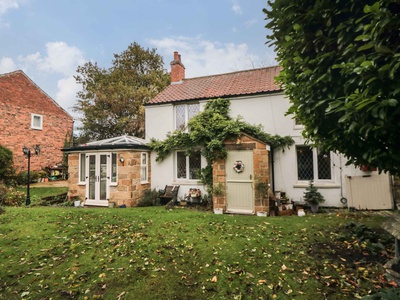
214 279
262 281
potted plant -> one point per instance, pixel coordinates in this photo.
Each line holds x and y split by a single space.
218 191
77 201
313 197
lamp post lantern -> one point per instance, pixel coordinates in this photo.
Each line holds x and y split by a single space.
27 152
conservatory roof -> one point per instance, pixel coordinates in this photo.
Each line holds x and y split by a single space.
120 142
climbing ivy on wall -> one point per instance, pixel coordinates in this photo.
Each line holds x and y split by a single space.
207 132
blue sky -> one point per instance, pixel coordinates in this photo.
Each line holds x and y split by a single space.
49 39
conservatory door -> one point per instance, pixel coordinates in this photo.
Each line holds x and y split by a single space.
96 179
239 182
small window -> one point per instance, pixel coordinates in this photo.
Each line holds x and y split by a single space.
188 167
183 114
313 164
114 170
143 167
82 167
36 121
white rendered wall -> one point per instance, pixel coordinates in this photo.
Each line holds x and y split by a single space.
160 122
269 111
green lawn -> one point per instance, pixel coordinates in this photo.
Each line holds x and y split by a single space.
154 253
40 192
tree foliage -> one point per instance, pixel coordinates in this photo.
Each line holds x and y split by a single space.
111 100
207 132
341 71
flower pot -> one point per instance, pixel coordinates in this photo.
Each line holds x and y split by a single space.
314 207
111 204
183 203
77 203
301 212
218 211
262 213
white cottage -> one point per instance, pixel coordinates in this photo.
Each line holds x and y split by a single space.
255 96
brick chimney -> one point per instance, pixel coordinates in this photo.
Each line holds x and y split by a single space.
177 68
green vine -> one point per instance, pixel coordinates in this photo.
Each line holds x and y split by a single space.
207 131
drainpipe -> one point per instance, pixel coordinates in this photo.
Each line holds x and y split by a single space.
272 170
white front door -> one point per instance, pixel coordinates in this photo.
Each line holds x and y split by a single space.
97 182
239 186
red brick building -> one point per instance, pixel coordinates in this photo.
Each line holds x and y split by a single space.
30 117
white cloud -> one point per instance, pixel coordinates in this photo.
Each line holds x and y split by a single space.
237 9
202 57
60 58
5 5
7 65
66 94
250 23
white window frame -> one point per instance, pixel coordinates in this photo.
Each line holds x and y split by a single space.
187 178
187 119
144 166
33 116
113 181
315 166
82 169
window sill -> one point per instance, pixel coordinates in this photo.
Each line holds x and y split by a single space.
144 182
320 185
298 127
186 181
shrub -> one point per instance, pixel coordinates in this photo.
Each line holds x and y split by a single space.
3 192
312 196
149 198
13 197
22 177
6 165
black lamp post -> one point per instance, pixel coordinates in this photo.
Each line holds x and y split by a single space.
27 152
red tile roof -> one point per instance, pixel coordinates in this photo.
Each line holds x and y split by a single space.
247 82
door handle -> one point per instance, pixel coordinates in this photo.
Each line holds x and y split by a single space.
251 176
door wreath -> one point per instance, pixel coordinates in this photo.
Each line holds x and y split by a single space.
238 166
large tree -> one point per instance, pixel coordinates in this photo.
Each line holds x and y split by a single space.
341 71
111 101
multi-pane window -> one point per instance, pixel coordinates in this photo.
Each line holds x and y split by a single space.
183 113
188 167
313 164
36 121
143 167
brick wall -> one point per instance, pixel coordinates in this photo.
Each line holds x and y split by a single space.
19 99
260 170
129 188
